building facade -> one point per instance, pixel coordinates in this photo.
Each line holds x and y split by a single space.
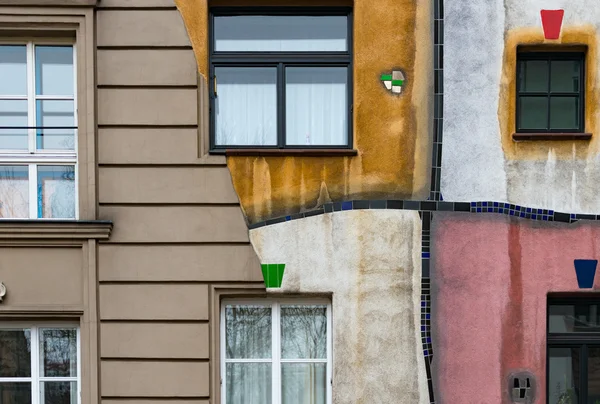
241 202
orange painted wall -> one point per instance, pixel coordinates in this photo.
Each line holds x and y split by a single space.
392 134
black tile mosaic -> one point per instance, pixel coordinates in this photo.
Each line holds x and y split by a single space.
275 221
425 205
395 204
381 204
412 205
360 204
314 212
328 207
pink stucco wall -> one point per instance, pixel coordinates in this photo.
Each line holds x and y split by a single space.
490 280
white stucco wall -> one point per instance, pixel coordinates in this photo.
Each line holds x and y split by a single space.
369 261
474 164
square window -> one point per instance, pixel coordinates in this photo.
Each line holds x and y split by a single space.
38 131
550 96
40 365
280 78
276 351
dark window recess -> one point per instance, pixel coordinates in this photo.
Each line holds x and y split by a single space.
550 92
281 78
573 351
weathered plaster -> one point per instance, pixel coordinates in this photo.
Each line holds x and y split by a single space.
392 134
479 104
369 261
490 278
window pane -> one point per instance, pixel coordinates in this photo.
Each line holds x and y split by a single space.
14 192
316 106
246 106
55 114
15 393
248 383
574 318
58 393
15 354
13 70
248 332
54 70
534 75
251 33
564 112
13 113
565 76
58 353
593 375
533 113
56 192
563 378
303 332
304 383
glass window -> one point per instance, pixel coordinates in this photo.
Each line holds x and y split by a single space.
573 352
276 352
39 359
550 92
38 130
281 80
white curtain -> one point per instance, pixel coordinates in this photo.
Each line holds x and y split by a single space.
246 106
316 106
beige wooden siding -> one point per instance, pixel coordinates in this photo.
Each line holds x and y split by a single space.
178 226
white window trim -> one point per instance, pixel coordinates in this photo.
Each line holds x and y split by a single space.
32 157
35 378
276 360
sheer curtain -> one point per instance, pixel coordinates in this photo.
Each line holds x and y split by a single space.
316 106
248 336
246 106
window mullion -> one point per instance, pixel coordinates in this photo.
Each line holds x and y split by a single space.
35 366
276 367
329 365
31 113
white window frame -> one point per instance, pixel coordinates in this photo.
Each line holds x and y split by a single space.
276 360
35 378
32 157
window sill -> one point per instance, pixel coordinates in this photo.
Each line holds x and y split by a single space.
292 152
551 136
54 229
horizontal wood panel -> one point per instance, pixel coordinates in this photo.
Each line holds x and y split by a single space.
133 106
154 302
141 28
150 67
154 379
147 146
176 224
143 340
178 263
166 185
41 277
136 3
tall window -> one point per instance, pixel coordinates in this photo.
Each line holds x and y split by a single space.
550 92
280 79
38 131
276 352
39 365
574 351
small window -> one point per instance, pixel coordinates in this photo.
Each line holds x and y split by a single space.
574 351
550 92
280 79
39 365
276 352
38 131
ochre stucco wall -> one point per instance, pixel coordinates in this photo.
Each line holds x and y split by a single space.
490 280
391 133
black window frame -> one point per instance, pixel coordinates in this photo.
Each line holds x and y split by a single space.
579 56
280 60
581 340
